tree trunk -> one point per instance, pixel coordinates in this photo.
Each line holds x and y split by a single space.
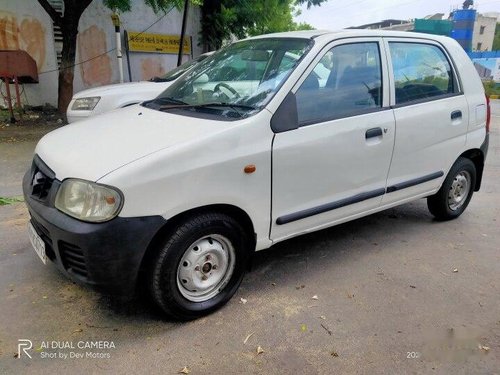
211 34
68 23
67 69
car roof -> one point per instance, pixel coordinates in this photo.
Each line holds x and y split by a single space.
345 33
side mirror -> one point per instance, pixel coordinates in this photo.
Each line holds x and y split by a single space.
286 117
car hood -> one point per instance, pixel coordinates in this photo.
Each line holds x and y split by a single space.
123 88
92 148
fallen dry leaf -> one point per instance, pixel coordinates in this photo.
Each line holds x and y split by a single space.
334 354
260 350
314 297
78 330
322 317
246 339
455 270
185 370
303 327
485 348
243 300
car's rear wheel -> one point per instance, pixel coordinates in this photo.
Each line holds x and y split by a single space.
455 193
200 266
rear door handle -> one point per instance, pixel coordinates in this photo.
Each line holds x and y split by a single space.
456 115
373 132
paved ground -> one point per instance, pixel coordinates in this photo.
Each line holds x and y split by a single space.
385 286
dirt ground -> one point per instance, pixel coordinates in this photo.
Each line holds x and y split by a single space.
17 143
391 293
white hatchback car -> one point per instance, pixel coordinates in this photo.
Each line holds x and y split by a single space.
250 148
103 99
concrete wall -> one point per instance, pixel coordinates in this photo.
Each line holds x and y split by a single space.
25 25
486 38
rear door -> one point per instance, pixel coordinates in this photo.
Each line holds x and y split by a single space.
335 164
431 115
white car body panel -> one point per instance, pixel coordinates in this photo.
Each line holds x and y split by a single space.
166 163
115 96
199 173
98 146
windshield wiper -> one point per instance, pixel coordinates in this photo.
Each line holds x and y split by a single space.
175 101
160 79
234 106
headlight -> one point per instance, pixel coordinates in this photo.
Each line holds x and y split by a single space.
85 104
88 201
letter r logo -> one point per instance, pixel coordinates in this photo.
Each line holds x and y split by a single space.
24 345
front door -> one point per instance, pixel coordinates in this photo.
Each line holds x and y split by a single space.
334 165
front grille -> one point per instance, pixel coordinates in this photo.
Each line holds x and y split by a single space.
42 180
40 184
73 258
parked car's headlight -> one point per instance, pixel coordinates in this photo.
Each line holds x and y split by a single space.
88 201
85 104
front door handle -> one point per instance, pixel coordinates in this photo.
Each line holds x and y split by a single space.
373 132
455 115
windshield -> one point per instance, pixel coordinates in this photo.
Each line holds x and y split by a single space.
236 81
180 70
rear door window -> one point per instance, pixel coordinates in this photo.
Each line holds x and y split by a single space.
421 72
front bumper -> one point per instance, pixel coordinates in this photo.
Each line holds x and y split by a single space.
105 255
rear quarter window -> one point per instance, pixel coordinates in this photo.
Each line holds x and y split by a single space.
421 72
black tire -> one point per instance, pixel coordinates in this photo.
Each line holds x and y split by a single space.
163 283
439 204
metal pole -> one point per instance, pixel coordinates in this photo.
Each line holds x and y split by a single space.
18 96
125 36
116 22
183 32
119 52
9 99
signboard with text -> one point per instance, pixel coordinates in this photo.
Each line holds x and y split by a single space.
157 43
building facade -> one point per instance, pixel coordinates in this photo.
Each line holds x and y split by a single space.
25 25
484 33
474 34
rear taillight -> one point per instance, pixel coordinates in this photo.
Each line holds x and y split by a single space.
488 114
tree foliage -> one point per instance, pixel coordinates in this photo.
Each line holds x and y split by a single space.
223 18
496 40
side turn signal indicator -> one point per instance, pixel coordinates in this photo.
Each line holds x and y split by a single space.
250 168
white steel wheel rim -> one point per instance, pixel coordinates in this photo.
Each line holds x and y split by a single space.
459 190
205 268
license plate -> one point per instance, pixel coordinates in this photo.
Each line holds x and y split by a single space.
37 243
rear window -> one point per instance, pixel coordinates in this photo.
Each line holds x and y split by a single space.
421 72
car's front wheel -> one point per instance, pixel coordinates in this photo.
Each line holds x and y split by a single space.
200 267
455 193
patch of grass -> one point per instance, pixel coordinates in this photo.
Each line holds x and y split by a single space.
10 200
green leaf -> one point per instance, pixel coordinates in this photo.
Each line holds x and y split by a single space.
6 200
